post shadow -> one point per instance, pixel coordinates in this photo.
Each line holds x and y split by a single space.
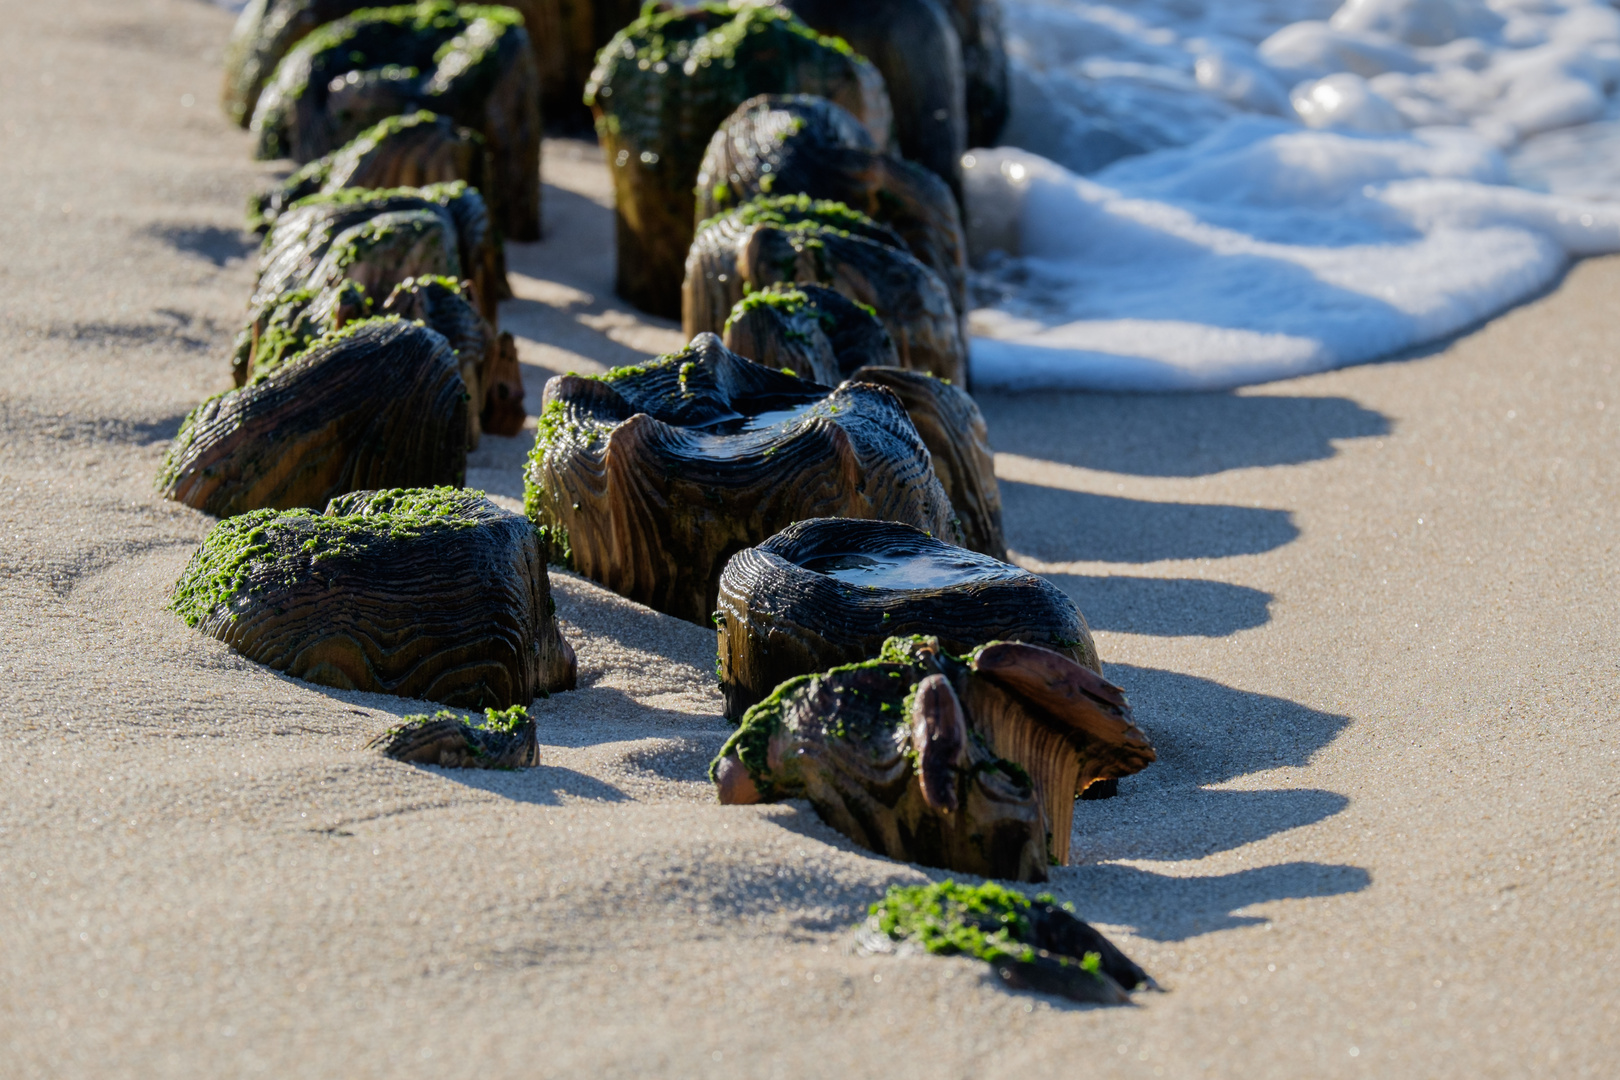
1165 607
1174 434
1056 525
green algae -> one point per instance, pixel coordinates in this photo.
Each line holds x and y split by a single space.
264 550
989 922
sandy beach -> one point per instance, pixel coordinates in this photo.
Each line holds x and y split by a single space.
1368 618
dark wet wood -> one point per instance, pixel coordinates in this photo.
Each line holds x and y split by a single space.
403 151
454 608
844 741
649 479
656 113
984 67
800 145
475 70
771 241
782 615
914 44
811 330
381 407
451 742
954 430
503 396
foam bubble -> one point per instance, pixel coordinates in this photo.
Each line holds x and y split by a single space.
1226 192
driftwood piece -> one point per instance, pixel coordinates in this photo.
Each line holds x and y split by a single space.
826 592
647 479
470 63
789 744
803 145
850 741
811 330
794 239
1030 944
984 67
503 395
415 150
953 429
661 88
427 593
915 45
379 404
500 740
323 243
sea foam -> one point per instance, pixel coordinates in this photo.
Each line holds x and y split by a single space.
1219 193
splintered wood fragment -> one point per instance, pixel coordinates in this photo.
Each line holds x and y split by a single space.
906 783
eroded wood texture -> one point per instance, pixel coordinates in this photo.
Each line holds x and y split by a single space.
373 239
1057 743
648 479
953 429
432 594
812 330
794 240
439 304
847 741
453 742
472 64
1066 724
984 67
414 150
381 406
802 145
826 592
665 83
915 45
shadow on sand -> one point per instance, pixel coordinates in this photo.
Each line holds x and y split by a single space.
1175 434
1165 607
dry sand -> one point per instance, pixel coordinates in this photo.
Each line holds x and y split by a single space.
1368 617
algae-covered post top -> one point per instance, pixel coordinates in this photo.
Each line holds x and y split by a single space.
665 83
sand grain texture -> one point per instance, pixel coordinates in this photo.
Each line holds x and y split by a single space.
1367 619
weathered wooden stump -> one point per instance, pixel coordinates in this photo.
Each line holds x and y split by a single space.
803 145
953 429
426 593
500 740
648 479
810 330
438 303
984 67
914 44
470 63
1029 944
376 239
378 404
826 592
402 151
793 239
867 743
662 86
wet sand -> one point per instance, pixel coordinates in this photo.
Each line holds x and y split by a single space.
1367 617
